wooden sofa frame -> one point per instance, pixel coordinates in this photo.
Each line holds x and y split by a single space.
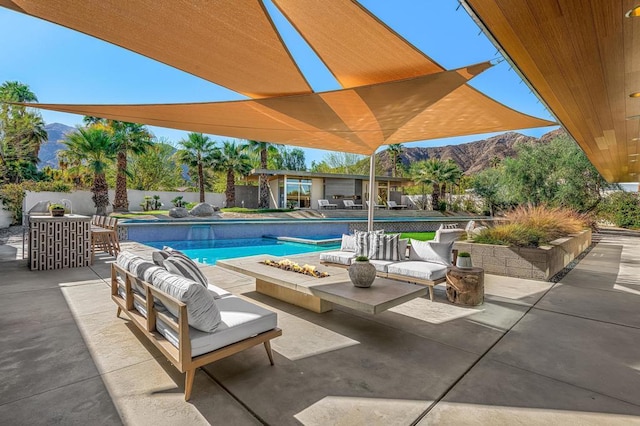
397 277
180 357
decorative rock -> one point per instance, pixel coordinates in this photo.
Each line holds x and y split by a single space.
362 273
178 212
202 210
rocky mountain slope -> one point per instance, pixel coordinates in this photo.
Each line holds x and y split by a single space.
472 156
49 149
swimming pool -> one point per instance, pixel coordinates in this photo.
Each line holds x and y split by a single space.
209 251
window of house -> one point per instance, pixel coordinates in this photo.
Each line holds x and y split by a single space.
298 193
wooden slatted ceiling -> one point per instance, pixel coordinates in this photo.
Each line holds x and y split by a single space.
582 58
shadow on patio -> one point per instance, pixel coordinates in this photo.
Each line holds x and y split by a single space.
532 353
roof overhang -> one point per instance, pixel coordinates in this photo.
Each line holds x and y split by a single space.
296 173
581 59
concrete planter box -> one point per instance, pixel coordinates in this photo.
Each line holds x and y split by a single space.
539 263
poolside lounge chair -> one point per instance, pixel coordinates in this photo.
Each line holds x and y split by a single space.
324 204
349 204
393 206
377 206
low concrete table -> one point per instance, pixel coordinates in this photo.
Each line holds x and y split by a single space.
319 294
382 295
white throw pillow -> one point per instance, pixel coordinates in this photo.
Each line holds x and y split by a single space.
348 243
202 310
429 251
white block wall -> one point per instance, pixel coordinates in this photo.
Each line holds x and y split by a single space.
82 203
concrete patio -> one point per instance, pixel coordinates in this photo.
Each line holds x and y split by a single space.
534 353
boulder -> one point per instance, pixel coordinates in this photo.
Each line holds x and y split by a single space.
202 210
178 212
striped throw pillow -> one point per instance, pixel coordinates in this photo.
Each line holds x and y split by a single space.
159 256
179 264
385 247
363 243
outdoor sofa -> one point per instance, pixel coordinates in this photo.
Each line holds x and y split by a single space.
421 262
192 322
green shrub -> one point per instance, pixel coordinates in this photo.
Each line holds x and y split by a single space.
12 195
362 259
178 201
190 205
464 254
622 209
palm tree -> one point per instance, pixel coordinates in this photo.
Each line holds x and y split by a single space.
451 174
21 131
430 172
232 159
198 151
129 138
395 150
94 146
264 149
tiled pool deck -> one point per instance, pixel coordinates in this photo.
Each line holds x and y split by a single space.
534 353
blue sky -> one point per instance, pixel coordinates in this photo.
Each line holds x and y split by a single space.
64 66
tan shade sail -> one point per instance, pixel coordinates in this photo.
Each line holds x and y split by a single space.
232 43
356 47
356 120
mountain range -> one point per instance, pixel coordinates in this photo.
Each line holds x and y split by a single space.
471 157
56 133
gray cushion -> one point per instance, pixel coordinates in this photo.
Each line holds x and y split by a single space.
429 251
418 269
201 306
180 264
217 292
340 257
239 320
381 265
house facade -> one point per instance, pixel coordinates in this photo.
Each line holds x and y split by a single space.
297 189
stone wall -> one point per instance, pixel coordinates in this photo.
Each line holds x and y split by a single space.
540 263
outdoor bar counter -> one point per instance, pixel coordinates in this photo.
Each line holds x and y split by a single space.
59 242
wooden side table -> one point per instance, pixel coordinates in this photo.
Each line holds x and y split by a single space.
465 286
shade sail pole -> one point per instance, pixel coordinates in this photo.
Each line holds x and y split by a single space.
372 187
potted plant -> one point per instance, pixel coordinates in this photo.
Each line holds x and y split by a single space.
57 210
362 272
464 260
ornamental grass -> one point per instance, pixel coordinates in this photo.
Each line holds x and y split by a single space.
532 226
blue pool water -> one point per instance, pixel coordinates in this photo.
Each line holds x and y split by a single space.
209 251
